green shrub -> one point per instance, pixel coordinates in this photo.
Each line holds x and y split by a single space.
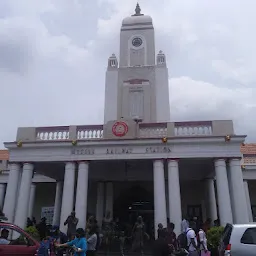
213 237
33 232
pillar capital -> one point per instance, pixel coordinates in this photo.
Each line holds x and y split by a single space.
70 165
220 159
83 162
173 162
14 165
18 163
235 159
158 161
220 162
173 159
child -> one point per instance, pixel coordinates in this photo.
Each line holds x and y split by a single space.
44 249
122 240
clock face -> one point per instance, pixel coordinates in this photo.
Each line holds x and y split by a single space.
137 42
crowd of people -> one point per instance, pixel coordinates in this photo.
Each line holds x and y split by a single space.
192 241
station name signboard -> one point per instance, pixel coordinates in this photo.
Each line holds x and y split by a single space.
121 150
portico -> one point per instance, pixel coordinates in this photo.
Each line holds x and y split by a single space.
88 170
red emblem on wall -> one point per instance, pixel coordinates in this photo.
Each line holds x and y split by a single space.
120 129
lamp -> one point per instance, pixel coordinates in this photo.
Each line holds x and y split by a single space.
19 143
164 139
74 142
227 138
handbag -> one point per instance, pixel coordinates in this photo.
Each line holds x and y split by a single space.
203 253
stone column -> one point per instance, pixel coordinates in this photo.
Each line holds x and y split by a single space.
23 197
67 205
174 194
224 203
31 200
57 203
12 191
100 203
248 200
109 198
211 200
82 193
240 211
2 194
159 194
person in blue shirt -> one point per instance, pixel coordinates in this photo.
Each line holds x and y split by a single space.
79 244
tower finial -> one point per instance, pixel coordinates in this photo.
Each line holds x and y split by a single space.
137 10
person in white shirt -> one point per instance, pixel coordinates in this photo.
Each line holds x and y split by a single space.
4 237
191 240
203 240
92 241
184 225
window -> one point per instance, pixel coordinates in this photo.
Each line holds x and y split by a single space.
249 236
136 102
12 237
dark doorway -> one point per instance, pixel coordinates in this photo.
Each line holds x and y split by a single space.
133 202
195 211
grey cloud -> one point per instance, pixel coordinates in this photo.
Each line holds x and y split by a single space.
71 41
15 54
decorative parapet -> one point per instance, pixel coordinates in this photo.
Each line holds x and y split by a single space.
136 130
248 160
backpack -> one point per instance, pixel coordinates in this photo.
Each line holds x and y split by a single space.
183 240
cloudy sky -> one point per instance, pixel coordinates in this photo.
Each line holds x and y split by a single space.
53 57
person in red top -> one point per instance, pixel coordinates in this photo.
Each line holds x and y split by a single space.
171 237
207 225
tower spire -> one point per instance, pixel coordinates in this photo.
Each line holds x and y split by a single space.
137 10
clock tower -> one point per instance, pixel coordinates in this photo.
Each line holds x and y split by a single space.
137 86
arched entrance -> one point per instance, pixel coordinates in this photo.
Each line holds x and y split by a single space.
133 202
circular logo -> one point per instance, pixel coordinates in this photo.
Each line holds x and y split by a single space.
137 42
119 129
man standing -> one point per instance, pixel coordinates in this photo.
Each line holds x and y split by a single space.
191 239
160 246
71 221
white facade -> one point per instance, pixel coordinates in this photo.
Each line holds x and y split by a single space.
183 167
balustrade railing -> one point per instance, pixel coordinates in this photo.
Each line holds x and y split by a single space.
144 130
251 160
87 132
52 133
193 128
157 130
